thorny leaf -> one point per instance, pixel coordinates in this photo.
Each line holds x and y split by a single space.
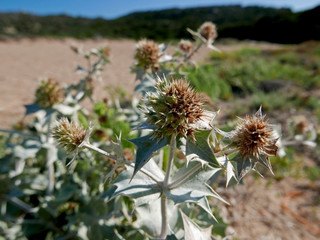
189 184
193 231
199 150
244 165
146 146
150 217
228 168
142 188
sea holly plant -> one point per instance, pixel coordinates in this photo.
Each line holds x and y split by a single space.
165 189
152 59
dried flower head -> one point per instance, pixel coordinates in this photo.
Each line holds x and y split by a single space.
253 137
174 108
69 135
208 30
105 51
147 54
185 46
49 93
255 142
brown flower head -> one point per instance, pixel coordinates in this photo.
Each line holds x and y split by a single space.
174 108
69 135
106 50
49 93
185 46
208 30
147 54
254 139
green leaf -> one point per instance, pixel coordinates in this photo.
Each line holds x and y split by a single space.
199 150
32 108
244 165
228 168
142 188
146 146
193 231
150 217
189 184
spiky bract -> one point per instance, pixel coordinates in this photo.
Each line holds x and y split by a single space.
208 30
69 135
173 108
147 54
254 139
49 93
185 46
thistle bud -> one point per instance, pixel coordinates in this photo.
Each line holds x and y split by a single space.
185 46
49 93
174 108
208 30
69 135
147 54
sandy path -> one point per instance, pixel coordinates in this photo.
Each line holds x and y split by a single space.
24 62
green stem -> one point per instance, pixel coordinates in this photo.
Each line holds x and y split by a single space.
50 166
164 228
225 153
181 179
94 148
170 160
188 57
164 222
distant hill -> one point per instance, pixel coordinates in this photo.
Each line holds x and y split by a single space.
255 23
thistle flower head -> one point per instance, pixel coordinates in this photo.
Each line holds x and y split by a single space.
174 108
69 135
49 93
208 30
185 46
254 139
147 54
106 50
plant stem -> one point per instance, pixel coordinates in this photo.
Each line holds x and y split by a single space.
50 166
170 160
164 226
164 223
188 57
94 148
225 153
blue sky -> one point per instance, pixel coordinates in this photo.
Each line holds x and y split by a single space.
115 8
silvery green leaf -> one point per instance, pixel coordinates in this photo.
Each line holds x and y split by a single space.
199 150
204 204
192 231
150 217
143 187
65 109
165 58
28 150
32 108
244 165
146 85
264 160
189 184
146 146
228 168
